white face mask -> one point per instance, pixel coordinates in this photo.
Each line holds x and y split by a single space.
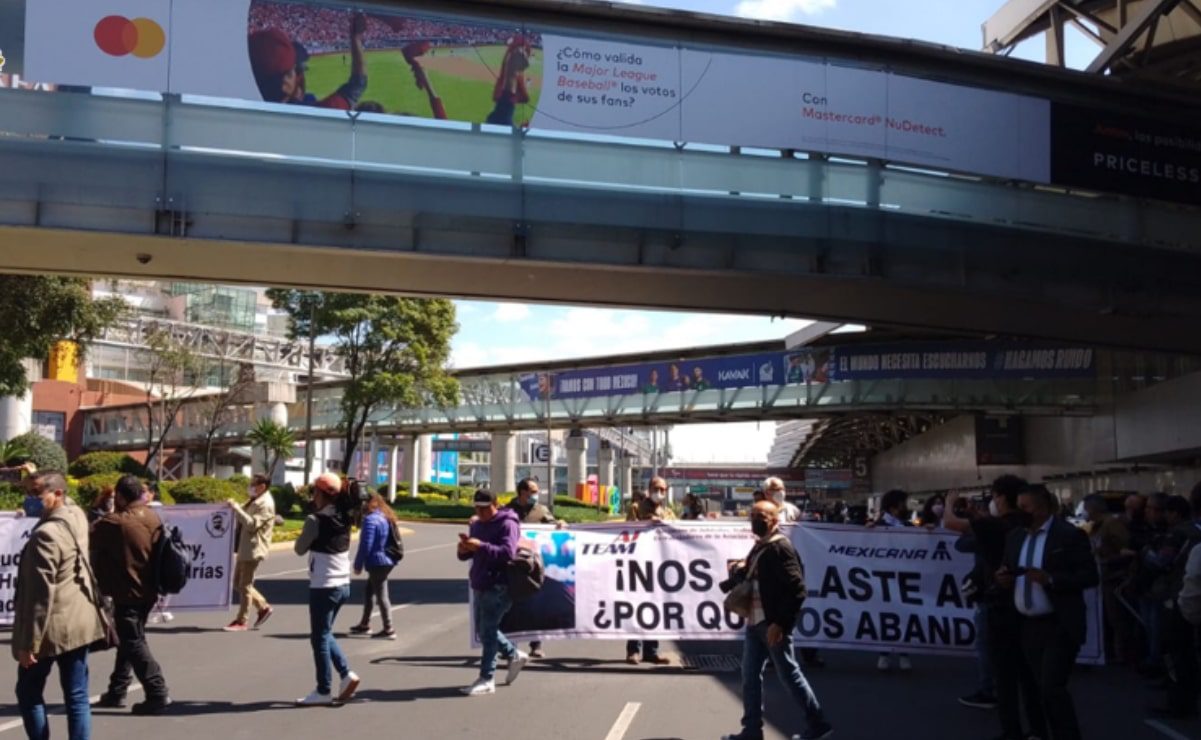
777 497
992 508
251 491
657 497
533 499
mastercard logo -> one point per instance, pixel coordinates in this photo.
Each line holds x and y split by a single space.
119 36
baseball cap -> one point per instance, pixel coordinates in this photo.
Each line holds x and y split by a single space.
271 52
484 497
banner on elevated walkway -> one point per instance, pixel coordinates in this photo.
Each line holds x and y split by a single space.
207 529
876 590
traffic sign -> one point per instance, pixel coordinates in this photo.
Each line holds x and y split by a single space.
542 453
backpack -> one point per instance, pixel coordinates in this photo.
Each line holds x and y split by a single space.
525 572
394 546
173 561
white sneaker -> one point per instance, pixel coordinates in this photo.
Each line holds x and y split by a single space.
516 663
904 664
480 687
168 617
349 685
315 699
884 664
155 618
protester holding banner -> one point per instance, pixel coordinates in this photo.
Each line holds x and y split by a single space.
325 538
123 547
894 508
525 505
777 581
774 488
56 611
257 522
491 543
1049 566
652 508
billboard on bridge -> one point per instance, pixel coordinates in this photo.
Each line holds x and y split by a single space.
931 360
483 70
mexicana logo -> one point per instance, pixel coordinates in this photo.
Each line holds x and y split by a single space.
941 552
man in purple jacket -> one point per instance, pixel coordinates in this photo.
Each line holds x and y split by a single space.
490 545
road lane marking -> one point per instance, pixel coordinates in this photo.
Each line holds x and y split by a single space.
1165 730
407 552
624 720
14 724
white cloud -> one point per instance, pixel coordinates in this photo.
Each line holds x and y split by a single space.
781 10
510 312
468 354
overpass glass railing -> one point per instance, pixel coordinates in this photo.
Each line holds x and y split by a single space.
96 162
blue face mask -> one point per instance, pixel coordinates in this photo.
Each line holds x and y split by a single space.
33 506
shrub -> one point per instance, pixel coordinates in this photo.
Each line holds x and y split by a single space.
11 497
207 491
287 498
90 487
45 453
240 479
95 463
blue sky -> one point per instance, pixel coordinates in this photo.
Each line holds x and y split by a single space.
503 333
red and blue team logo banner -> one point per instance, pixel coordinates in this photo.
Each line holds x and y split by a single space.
930 360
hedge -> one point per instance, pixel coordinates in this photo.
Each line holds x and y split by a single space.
90 487
206 491
95 463
45 453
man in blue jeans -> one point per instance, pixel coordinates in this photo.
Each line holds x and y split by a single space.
774 570
490 544
55 612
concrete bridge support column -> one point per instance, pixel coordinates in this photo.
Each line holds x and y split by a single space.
412 464
604 464
576 445
271 402
504 457
425 457
393 455
16 412
625 473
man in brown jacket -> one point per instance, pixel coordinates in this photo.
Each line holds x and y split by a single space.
123 546
257 521
55 614
653 508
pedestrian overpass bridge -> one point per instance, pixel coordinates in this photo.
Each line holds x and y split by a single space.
709 384
183 185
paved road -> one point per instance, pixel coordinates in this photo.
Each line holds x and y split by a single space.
232 686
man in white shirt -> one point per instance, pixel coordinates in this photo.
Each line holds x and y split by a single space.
1049 565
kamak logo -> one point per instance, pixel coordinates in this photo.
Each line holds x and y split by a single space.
119 36
622 544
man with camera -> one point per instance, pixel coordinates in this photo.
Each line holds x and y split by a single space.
325 538
776 592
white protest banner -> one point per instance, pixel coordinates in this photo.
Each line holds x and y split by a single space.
868 589
208 531
14 533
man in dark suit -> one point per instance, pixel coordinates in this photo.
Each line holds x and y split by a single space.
1049 565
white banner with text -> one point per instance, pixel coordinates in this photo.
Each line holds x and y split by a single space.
207 529
868 589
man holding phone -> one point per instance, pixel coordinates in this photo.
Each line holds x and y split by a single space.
490 544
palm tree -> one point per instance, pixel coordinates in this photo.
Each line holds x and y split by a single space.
275 440
13 449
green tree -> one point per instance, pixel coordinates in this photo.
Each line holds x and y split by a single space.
275 440
396 350
14 450
38 311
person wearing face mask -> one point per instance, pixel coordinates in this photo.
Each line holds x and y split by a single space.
932 511
653 509
256 522
778 582
894 506
529 511
1006 682
773 489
